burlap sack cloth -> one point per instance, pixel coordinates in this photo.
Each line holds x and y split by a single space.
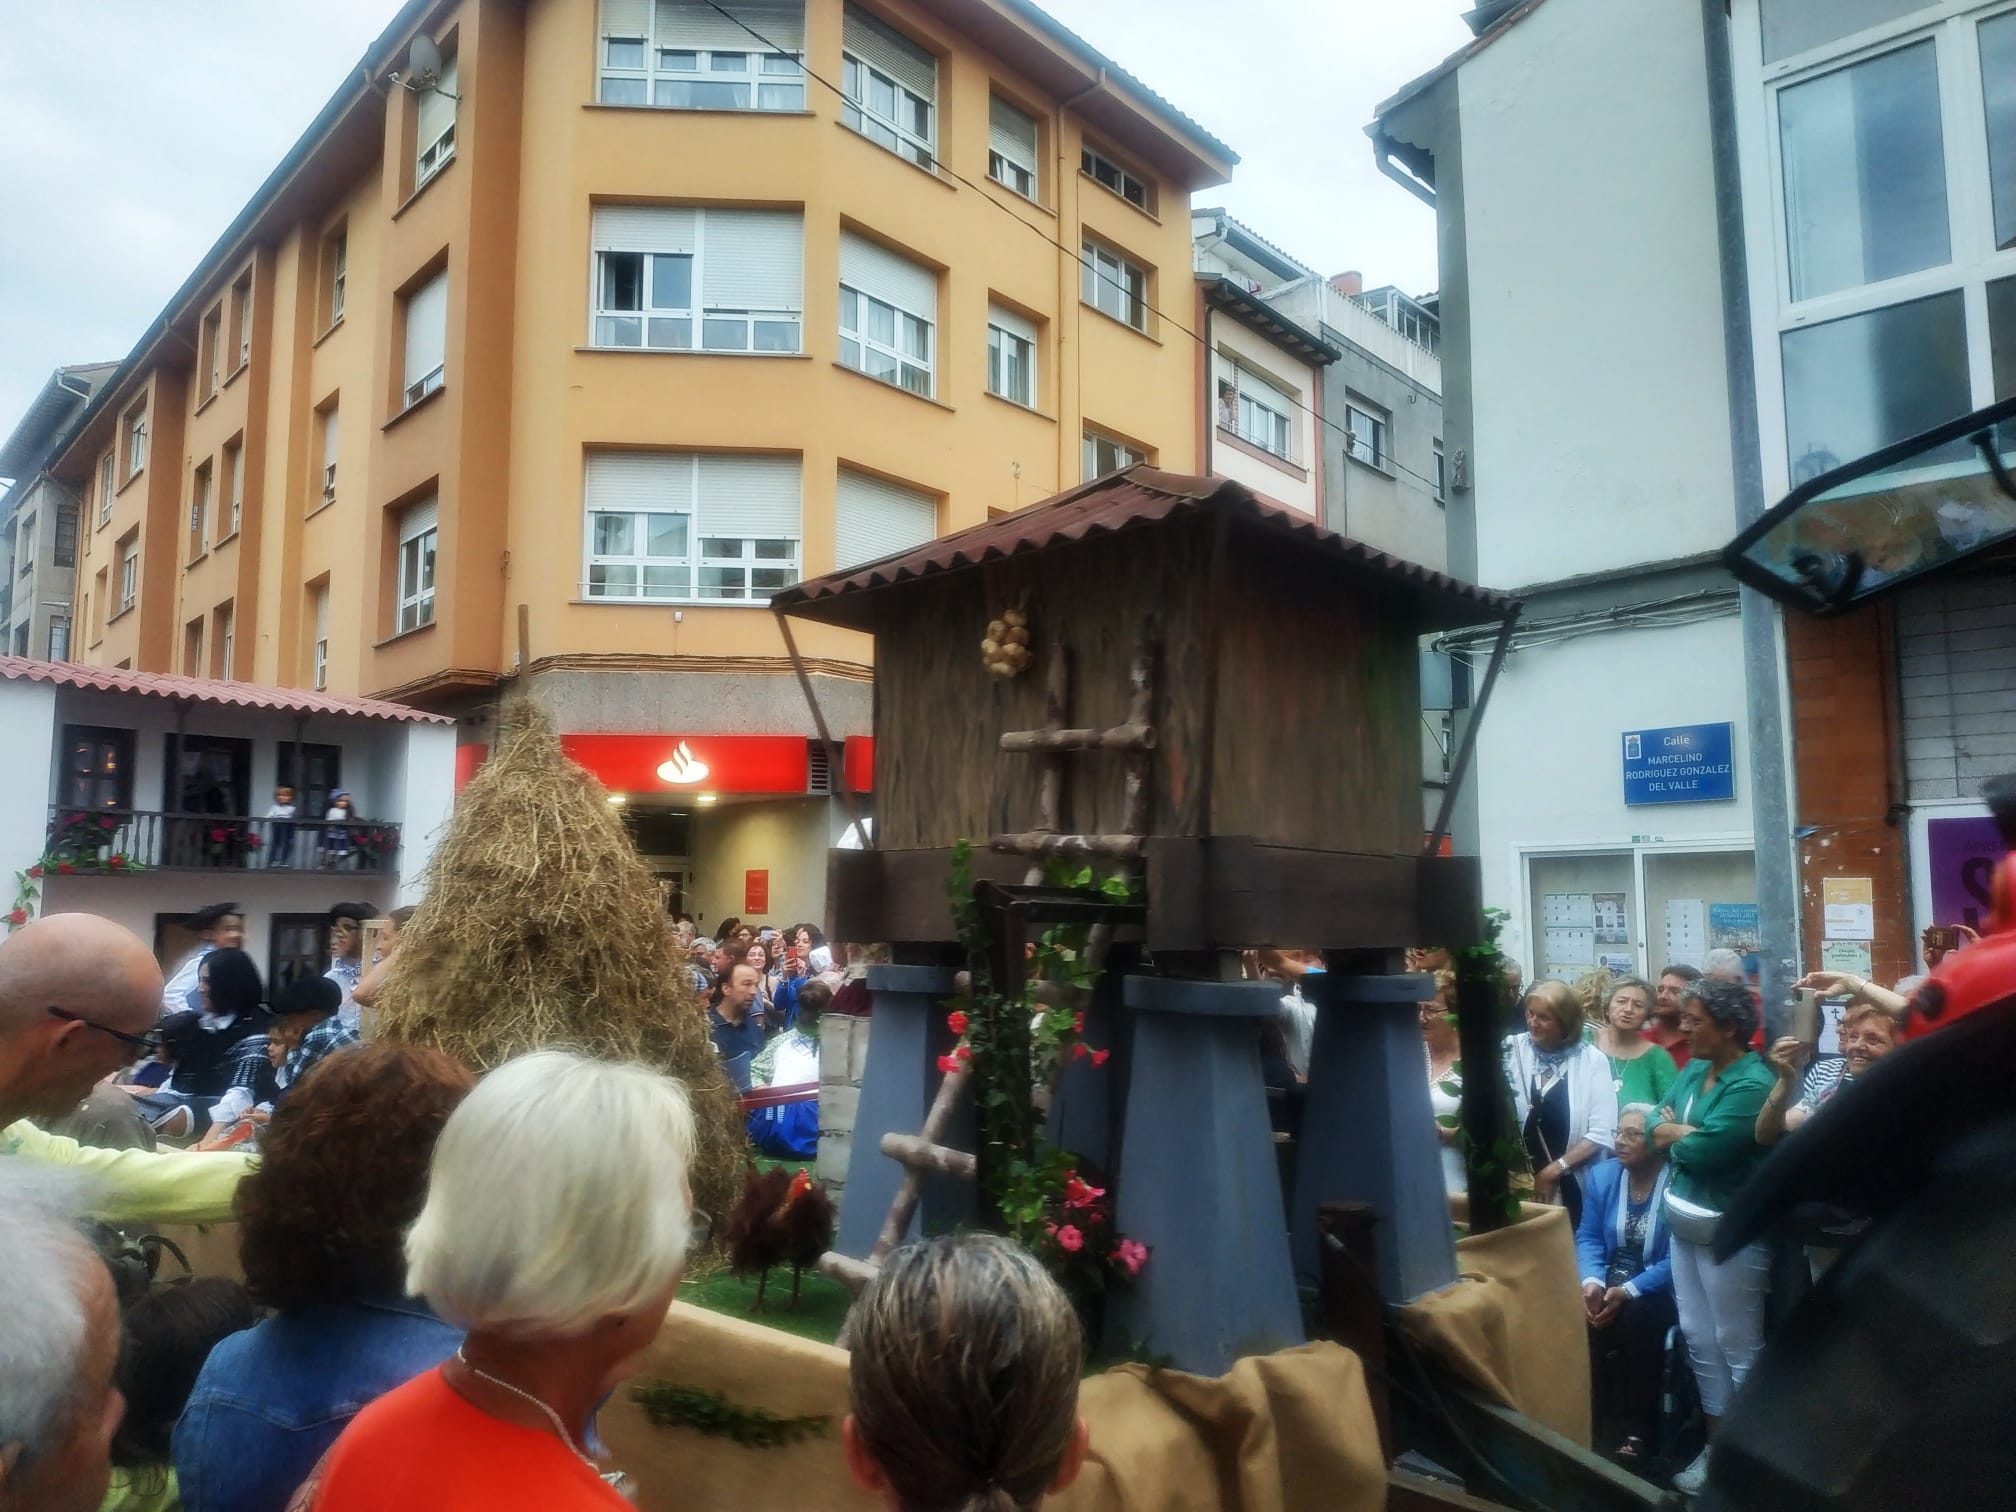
1513 1326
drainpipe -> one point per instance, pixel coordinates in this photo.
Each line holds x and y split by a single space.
1770 773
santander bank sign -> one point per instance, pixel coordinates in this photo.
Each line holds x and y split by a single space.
684 769
686 763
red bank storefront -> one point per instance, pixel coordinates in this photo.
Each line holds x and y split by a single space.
733 824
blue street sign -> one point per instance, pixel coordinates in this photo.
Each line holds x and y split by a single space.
1680 764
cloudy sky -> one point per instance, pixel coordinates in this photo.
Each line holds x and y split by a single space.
117 188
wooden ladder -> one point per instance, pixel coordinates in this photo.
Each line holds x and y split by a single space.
923 1154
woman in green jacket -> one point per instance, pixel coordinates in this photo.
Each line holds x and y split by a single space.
1708 1129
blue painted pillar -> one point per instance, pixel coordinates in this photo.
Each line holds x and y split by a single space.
1368 1133
897 1086
1197 1181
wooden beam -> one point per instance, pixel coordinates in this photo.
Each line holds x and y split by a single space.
1038 843
849 1272
1127 737
1234 893
901 895
915 1154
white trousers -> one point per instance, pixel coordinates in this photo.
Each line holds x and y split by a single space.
1722 1315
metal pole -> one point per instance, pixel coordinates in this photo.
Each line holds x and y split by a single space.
1771 799
1460 768
819 724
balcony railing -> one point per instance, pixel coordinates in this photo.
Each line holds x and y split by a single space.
113 841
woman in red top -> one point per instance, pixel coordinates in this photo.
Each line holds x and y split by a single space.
557 1222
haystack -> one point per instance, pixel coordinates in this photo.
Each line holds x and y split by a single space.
542 927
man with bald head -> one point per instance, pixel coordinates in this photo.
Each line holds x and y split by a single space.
78 995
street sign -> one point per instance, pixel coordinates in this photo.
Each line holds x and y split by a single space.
1680 764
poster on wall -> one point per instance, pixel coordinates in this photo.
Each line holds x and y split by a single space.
1611 928
1848 908
1686 931
1567 910
1567 953
1961 856
1734 926
1845 955
1618 963
756 893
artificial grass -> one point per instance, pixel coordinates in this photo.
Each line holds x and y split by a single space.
822 1304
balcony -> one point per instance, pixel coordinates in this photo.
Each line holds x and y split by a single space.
114 842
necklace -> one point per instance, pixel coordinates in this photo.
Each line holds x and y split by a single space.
615 1477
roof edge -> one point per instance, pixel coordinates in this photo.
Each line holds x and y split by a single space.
262 697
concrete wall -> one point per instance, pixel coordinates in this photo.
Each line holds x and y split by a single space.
788 838
41 592
28 715
648 702
427 801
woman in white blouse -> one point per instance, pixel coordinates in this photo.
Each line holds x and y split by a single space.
1563 1094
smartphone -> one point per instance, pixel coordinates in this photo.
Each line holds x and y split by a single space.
1806 1018
1941 937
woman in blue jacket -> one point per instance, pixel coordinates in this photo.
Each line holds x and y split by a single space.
1627 1282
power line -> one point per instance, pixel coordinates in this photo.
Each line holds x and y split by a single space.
938 165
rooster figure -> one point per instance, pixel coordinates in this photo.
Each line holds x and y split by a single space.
781 1219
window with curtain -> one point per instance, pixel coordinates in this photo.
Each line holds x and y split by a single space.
1256 411
690 527
672 278
688 55
1104 454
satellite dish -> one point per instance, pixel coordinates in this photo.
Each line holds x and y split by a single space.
423 63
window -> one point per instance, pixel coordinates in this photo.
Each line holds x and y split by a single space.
1256 411
1114 286
129 571
1441 476
338 261
66 535
888 308
690 526
415 587
1997 37
673 279
434 126
1795 26
210 352
687 55
874 518
97 603
1011 147
891 85
59 639
106 488
1104 171
192 648
319 658
1105 455
1365 438
317 774
24 547
241 320
297 946
2002 337
199 511
221 643
213 775
97 767
21 639
426 339
1856 384
135 427
1011 356
327 494
234 483
1864 173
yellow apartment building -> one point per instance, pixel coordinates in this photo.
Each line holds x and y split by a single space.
570 331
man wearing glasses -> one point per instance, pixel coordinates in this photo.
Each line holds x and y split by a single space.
79 997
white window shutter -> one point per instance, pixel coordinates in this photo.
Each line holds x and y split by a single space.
646 228
874 518
697 25
322 613
626 18
1012 133
884 275
1009 321
329 438
750 495
419 518
436 111
754 260
620 481
426 328
890 52
1264 392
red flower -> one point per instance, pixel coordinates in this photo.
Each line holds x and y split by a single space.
252 841
964 1052
1078 1051
19 916
1099 1057
1078 1022
35 871
1079 1193
956 1021
116 862
948 1064
1069 1238
218 835
106 821
1130 1255
65 868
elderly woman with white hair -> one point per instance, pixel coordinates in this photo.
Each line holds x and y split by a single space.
557 1222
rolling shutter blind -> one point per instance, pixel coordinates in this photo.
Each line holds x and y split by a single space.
437 111
1263 391
623 481
418 519
880 273
646 228
749 496
329 439
754 260
1011 133
874 518
1956 647
891 53
426 328
626 18
322 613
697 25
1012 323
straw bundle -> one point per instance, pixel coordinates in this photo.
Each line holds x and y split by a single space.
542 927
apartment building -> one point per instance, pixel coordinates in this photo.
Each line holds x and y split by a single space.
39 519
561 341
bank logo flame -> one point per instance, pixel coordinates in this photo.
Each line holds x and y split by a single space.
684 767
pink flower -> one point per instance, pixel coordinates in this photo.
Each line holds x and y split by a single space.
956 1021
35 871
1079 1193
106 821
1099 1057
1068 1238
1130 1255
1078 1051
948 1063
19 916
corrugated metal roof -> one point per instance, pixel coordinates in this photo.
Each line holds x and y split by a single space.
1132 500
208 690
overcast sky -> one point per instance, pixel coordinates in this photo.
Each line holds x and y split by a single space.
115 189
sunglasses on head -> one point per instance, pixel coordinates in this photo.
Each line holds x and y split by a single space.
150 1042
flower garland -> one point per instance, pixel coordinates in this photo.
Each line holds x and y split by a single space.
1015 1044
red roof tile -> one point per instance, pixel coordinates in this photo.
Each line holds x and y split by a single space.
208 690
1131 500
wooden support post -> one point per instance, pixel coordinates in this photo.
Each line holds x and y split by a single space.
950 1091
